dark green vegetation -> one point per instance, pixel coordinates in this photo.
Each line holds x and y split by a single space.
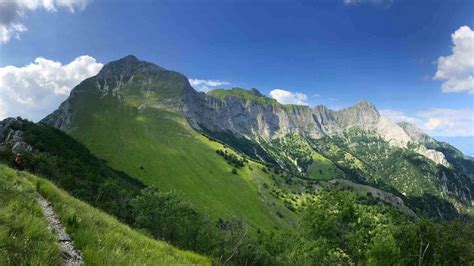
232 159
26 240
361 156
402 171
242 145
163 215
298 157
71 166
340 228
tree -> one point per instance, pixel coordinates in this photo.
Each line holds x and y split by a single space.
384 249
335 221
167 217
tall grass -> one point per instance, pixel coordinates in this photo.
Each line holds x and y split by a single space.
24 235
104 240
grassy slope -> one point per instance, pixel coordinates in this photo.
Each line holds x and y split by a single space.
378 162
103 240
175 157
293 148
322 168
243 94
24 235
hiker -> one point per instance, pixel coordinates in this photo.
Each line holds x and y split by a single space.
18 161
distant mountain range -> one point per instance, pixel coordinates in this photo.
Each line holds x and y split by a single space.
134 109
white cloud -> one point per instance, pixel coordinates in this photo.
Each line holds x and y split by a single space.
3 112
448 122
384 3
206 85
288 97
398 116
11 31
13 11
457 69
438 121
35 90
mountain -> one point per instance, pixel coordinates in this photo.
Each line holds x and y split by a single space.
150 123
365 146
131 116
252 115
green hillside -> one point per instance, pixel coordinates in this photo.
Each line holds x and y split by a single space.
141 132
248 95
364 157
25 239
373 161
63 160
158 147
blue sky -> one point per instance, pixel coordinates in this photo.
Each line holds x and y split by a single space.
331 52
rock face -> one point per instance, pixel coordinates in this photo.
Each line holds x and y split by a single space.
255 116
60 118
392 133
267 119
435 156
11 137
400 135
415 133
417 136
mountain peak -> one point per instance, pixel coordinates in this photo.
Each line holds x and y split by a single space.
362 113
130 57
240 93
256 92
364 103
363 106
128 66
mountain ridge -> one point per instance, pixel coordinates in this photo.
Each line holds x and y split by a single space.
295 138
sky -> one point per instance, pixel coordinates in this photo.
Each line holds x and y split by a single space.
413 59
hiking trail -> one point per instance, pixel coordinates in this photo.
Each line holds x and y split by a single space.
70 256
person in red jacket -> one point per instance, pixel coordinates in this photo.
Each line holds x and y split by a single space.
18 161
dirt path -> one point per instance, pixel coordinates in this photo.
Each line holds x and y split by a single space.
69 255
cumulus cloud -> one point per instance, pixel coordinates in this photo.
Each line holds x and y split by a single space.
384 3
3 111
288 97
13 11
206 85
438 121
448 122
35 90
457 69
